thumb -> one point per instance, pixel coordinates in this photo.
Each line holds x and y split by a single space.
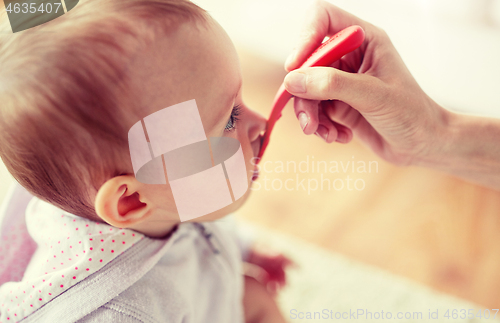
311 36
322 19
360 91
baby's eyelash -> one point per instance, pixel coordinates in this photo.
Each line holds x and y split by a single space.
233 119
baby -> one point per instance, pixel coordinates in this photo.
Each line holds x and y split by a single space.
110 248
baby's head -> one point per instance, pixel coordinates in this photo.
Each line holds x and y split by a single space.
71 89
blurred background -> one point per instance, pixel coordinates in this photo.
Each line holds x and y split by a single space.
402 236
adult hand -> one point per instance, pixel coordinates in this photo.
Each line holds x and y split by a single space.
369 92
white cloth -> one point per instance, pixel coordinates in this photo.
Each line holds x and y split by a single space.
80 267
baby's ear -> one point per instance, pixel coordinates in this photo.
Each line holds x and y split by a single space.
118 202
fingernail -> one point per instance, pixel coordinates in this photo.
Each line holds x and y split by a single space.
303 120
341 137
322 132
290 57
296 82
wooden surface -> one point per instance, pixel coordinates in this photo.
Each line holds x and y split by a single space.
414 222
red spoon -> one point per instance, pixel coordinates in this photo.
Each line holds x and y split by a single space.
340 44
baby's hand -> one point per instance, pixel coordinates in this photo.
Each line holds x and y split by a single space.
271 269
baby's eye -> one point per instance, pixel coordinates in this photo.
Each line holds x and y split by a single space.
233 119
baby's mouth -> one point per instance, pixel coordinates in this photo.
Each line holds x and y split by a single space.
256 146
255 173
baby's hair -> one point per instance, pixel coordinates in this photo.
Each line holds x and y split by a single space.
63 91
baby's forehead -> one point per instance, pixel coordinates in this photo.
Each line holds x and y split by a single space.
194 62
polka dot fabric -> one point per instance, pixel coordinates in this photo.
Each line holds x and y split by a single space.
70 248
